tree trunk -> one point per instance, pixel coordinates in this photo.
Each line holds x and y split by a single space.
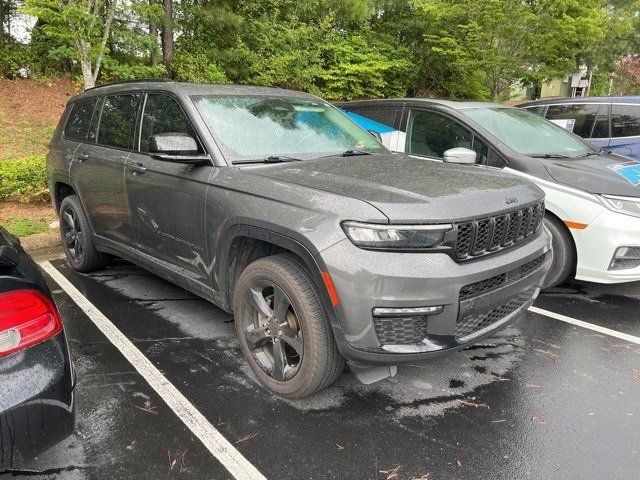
2 17
167 37
85 64
153 32
590 76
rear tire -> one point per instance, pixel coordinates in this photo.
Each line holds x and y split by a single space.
77 237
283 329
563 253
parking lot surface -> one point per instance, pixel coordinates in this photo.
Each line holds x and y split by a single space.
541 399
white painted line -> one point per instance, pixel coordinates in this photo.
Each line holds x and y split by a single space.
590 326
212 439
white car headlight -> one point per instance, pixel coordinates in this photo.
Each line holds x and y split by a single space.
395 237
626 205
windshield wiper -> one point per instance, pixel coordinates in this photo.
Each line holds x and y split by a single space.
347 153
270 159
550 155
353 153
588 154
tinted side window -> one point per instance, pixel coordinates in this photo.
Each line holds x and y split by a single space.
601 128
387 116
431 134
539 110
577 118
625 120
118 121
162 114
481 149
79 120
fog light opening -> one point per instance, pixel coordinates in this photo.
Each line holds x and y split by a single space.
394 312
625 258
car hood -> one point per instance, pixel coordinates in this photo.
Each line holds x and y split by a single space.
605 174
407 189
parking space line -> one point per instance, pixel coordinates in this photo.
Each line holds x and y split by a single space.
213 440
590 326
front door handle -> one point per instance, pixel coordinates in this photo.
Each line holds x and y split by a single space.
137 169
81 157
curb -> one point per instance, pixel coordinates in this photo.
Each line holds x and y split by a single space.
41 240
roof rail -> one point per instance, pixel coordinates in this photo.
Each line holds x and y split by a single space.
140 80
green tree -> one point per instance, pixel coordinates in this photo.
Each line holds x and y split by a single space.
84 24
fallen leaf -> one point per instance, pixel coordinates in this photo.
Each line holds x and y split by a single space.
246 437
339 447
591 414
392 473
537 416
458 462
147 409
549 354
474 404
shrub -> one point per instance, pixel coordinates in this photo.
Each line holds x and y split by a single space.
23 179
22 226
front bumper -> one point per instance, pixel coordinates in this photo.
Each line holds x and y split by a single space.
37 404
367 279
597 243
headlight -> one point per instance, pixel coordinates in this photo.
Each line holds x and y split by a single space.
397 237
627 205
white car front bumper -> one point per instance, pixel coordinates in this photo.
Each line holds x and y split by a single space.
597 243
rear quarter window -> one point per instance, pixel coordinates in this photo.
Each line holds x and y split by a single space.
77 126
625 120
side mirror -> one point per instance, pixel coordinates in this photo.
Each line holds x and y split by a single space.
176 147
375 135
460 155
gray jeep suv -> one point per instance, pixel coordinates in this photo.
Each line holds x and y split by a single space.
275 206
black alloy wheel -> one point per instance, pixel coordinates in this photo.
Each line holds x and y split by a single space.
272 330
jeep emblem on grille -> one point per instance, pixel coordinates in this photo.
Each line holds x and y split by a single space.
510 200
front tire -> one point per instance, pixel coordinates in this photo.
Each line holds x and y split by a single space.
283 330
77 238
563 253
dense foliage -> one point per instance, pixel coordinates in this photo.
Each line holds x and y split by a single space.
23 178
340 49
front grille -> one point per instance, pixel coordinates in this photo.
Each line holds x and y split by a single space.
400 331
471 323
487 235
482 286
529 267
489 284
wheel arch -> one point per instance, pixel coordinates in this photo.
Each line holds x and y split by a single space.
242 244
549 214
62 188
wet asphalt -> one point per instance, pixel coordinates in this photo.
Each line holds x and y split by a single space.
540 399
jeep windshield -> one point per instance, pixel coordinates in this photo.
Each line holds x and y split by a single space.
528 134
254 128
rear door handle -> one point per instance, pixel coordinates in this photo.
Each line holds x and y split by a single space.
137 169
82 157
